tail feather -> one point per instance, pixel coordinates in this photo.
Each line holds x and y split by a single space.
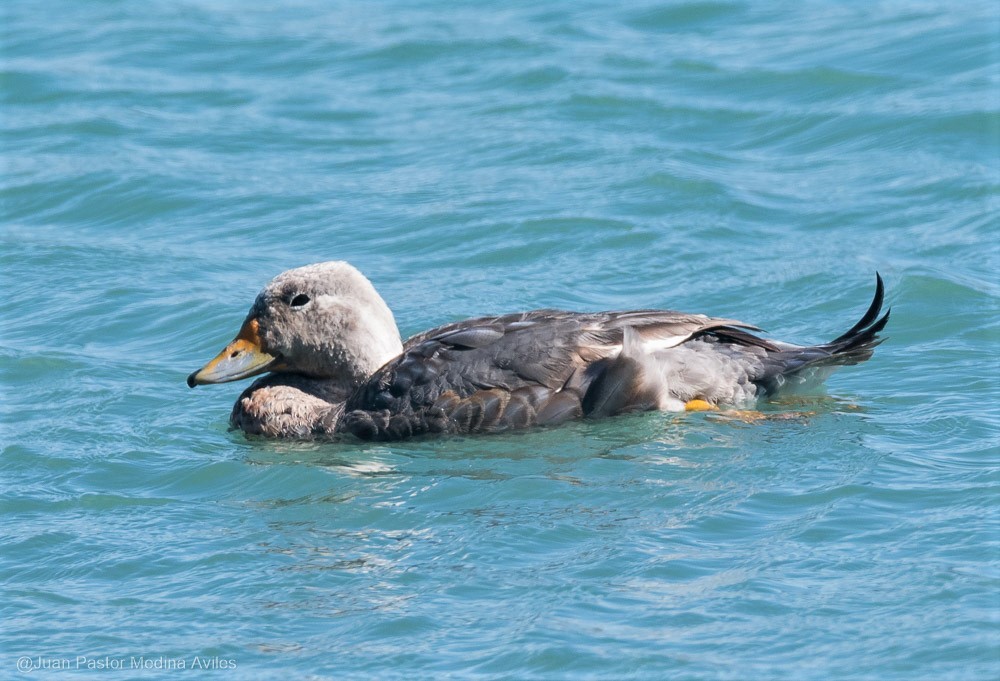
860 341
800 365
871 315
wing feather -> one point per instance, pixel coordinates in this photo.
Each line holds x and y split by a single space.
530 368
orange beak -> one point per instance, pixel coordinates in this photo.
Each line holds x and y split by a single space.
240 359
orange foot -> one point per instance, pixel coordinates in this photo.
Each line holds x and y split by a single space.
699 405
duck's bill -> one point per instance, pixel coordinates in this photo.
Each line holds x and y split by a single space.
242 358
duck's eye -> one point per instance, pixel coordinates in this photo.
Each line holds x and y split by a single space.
301 300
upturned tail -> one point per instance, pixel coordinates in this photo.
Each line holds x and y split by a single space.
795 366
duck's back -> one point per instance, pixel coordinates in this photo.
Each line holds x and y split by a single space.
535 368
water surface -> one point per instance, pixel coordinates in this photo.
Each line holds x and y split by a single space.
162 161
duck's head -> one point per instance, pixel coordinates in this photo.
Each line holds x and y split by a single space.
324 321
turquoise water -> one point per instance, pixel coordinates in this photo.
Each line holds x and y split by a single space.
162 161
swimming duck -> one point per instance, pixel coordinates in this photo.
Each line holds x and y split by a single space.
335 363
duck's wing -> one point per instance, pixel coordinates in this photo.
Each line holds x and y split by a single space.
534 368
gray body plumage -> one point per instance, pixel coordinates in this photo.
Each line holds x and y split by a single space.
342 369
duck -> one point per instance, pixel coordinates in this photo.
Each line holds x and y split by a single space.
335 366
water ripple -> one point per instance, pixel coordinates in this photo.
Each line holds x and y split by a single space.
738 159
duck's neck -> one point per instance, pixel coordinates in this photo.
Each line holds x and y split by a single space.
343 343
368 354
